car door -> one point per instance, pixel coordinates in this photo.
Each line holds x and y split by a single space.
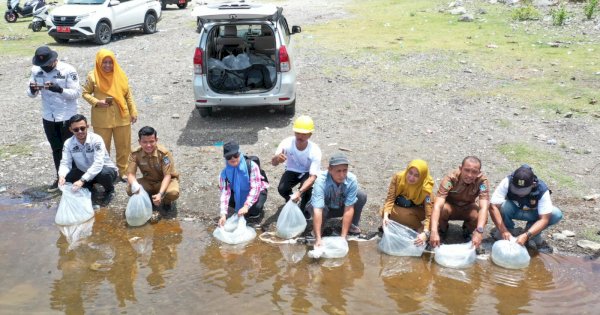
123 14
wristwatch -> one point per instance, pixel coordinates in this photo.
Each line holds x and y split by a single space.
479 230
529 234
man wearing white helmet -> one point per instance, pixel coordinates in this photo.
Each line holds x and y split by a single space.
302 159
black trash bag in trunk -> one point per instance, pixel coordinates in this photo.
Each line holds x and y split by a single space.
257 76
227 80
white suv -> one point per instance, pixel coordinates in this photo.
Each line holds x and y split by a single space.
244 57
99 19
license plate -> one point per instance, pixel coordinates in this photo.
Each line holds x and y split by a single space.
182 1
63 29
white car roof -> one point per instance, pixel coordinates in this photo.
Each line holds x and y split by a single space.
234 11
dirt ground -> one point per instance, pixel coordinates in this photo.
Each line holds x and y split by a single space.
381 126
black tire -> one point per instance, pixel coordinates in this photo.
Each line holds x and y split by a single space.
10 17
36 26
163 4
61 40
290 109
103 33
182 5
205 111
149 23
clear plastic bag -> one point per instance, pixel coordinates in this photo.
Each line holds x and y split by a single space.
75 234
239 62
139 208
235 231
399 240
331 247
291 221
75 207
509 254
455 255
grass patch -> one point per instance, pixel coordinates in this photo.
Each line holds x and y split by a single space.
523 57
7 151
591 235
542 161
18 40
526 13
590 8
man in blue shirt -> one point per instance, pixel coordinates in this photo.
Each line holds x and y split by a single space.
336 194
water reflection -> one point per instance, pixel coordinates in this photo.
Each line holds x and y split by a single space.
166 237
406 281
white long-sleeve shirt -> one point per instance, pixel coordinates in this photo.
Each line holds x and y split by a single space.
57 106
89 157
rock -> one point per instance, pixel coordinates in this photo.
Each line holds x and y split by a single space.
544 3
587 151
491 46
175 116
568 233
2 189
577 97
458 11
588 244
468 71
466 18
568 115
591 197
559 236
481 11
551 141
593 101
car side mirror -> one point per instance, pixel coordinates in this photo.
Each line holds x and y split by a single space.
114 2
296 29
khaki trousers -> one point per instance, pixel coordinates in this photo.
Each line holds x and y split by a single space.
122 137
411 217
152 188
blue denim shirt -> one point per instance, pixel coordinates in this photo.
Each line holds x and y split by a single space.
327 192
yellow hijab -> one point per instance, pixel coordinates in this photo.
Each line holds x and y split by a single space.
422 188
113 83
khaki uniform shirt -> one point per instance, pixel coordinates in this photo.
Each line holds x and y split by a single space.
153 166
107 117
461 194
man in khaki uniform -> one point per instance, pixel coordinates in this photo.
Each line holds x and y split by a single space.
159 177
456 200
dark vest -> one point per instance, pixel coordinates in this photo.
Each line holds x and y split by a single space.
530 201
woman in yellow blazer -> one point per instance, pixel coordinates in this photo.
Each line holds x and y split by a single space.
113 109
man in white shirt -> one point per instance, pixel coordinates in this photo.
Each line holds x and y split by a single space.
86 151
522 196
302 159
58 85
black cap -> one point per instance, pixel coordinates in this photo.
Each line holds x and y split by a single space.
230 148
522 181
44 56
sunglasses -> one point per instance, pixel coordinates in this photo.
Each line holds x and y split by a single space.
237 155
80 129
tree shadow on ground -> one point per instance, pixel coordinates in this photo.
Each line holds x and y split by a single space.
240 124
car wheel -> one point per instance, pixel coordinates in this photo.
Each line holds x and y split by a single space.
61 40
103 33
290 109
163 4
182 5
149 23
205 111
10 17
36 26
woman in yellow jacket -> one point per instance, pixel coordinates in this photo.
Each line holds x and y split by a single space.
113 110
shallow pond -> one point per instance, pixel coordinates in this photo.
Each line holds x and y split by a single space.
176 267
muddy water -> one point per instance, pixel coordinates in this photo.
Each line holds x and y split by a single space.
177 268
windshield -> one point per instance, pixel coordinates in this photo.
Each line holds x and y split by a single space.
84 1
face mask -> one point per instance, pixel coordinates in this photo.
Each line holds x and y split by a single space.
47 69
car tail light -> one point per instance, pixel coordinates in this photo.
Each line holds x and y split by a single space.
198 61
284 60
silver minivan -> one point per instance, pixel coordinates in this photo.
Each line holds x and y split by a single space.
244 57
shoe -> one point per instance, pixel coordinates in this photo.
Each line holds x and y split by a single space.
354 230
54 187
155 217
467 235
537 240
108 197
254 216
168 207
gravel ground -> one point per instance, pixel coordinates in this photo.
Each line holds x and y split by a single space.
382 126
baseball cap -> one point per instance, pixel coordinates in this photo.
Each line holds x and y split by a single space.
338 159
522 181
230 148
44 56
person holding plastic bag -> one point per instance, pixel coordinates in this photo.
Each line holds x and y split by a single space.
410 198
463 194
522 196
160 179
243 189
86 151
336 194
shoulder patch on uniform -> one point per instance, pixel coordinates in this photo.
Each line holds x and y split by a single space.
166 160
482 187
448 185
97 146
427 199
74 76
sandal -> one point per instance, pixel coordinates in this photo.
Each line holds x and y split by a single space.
354 229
